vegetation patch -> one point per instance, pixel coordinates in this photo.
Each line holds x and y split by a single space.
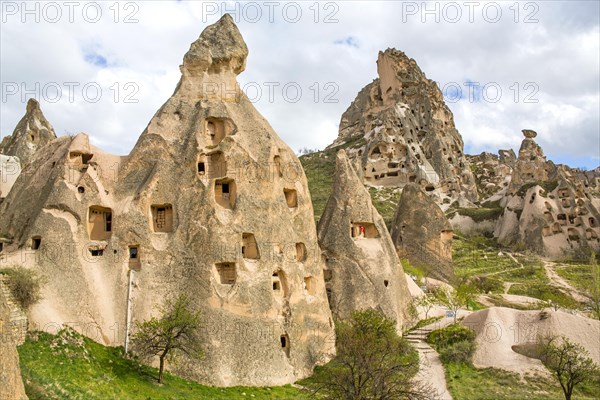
548 187
480 214
454 343
69 366
24 284
319 169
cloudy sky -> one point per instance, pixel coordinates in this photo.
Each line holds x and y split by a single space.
104 68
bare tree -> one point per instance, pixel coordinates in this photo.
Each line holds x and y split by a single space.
569 362
426 302
177 330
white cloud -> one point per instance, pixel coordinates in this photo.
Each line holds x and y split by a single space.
559 55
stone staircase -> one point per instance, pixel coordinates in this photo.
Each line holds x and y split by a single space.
17 318
431 372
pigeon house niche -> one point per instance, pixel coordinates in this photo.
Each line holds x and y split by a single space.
162 218
134 256
310 285
212 166
225 192
285 344
249 247
364 230
99 223
279 284
291 197
79 158
217 129
226 273
300 252
36 242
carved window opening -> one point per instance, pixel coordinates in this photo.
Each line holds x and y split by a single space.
162 218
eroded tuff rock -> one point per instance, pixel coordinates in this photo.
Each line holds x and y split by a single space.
492 172
11 383
10 168
398 130
210 202
363 270
550 209
31 134
421 232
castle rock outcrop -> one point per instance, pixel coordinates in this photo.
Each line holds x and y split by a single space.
398 130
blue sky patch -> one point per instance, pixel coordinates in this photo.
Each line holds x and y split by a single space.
350 41
95 58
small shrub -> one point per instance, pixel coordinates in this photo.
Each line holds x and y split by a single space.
455 343
486 284
459 352
25 286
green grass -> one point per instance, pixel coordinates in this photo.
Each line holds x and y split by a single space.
425 322
480 214
78 368
578 275
547 186
386 202
479 257
466 382
545 292
319 169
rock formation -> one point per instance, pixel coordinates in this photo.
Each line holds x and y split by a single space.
363 270
492 173
210 202
398 130
10 168
547 208
11 383
422 234
31 134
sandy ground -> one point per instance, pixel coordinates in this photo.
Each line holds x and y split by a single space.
499 328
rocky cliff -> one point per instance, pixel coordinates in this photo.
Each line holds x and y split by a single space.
550 209
398 131
422 234
31 134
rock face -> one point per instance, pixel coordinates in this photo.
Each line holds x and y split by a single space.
10 168
398 130
531 166
492 172
31 134
11 383
210 202
421 232
550 209
363 270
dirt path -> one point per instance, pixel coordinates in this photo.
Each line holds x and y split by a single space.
431 370
562 283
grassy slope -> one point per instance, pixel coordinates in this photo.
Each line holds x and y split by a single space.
466 382
54 369
320 167
480 257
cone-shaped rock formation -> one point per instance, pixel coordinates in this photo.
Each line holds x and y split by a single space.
363 270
